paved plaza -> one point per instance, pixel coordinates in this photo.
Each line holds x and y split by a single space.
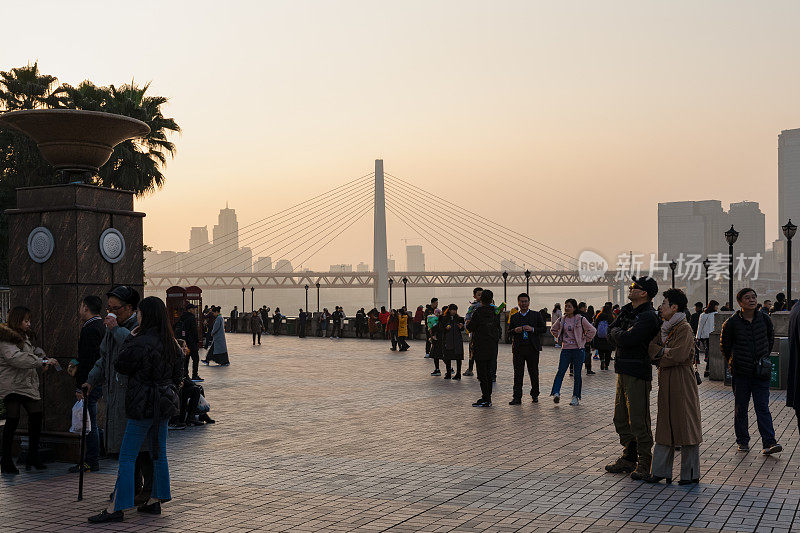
321 435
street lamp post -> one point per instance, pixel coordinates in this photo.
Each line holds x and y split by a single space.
391 282
317 285
706 264
505 291
242 299
252 299
673 265
306 287
788 231
405 293
731 235
528 282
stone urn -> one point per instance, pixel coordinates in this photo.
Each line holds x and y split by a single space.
67 242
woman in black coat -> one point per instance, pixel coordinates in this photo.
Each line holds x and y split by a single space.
437 343
152 364
451 326
602 344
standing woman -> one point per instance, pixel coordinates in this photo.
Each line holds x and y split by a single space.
436 330
572 331
678 423
452 328
152 361
392 325
277 319
600 341
402 329
705 326
19 385
218 352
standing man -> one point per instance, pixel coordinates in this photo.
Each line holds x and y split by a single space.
277 319
361 322
256 327
234 319
485 329
793 385
119 322
338 318
302 318
264 312
476 303
746 341
525 327
631 333
186 329
92 333
767 308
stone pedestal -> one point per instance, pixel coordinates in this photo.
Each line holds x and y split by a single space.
96 243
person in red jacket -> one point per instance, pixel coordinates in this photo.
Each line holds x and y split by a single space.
383 317
419 316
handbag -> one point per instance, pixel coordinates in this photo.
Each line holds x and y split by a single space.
764 367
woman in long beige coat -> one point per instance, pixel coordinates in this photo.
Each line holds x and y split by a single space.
678 423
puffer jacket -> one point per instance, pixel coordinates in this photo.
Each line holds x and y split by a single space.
742 343
631 334
153 378
19 362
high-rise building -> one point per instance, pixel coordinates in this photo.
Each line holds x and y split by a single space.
699 228
391 264
226 241
415 259
198 238
362 267
283 265
263 264
788 177
341 268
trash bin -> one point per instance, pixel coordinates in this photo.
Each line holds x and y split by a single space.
780 365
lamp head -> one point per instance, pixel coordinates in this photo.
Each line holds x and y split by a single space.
731 235
789 230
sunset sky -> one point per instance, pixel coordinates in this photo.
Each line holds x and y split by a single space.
567 121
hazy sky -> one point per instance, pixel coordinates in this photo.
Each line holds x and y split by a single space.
568 121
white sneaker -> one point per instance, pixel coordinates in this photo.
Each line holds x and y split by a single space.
575 401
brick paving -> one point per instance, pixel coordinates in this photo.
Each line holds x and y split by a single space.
320 435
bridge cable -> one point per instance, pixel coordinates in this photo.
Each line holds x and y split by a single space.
304 204
504 249
514 232
334 202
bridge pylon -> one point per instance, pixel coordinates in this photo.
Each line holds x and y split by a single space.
380 261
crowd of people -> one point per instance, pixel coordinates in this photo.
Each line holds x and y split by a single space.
137 361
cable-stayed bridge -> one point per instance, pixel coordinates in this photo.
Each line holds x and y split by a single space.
298 233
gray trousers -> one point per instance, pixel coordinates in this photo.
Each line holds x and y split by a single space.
664 457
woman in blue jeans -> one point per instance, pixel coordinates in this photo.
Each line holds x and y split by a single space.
572 331
153 363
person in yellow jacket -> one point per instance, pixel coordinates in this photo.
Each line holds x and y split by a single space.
402 329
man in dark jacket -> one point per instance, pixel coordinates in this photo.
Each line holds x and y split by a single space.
746 341
631 333
92 333
525 327
484 325
302 318
361 322
793 385
186 329
264 312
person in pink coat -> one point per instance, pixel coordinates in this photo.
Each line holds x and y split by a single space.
572 331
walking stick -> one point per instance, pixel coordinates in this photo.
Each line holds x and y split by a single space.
83 443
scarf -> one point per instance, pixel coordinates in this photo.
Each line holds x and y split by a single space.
667 325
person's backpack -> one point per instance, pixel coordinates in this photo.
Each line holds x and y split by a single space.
602 329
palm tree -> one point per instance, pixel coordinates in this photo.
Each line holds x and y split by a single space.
135 165
27 88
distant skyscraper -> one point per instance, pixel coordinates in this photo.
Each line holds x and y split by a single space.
226 240
341 268
415 259
362 267
391 265
263 264
283 265
788 177
699 227
198 237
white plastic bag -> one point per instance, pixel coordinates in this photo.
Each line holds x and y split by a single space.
202 405
76 427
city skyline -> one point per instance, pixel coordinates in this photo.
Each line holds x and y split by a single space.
472 102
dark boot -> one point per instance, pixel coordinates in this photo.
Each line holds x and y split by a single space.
34 436
626 463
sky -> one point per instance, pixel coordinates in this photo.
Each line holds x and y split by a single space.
566 121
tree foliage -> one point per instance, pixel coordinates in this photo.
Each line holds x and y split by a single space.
136 165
